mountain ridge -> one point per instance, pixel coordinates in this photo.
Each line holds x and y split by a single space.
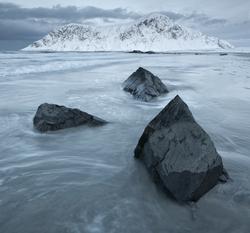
155 32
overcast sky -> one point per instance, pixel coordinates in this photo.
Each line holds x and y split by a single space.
222 8
28 20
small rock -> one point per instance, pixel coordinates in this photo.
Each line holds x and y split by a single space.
141 52
177 151
150 52
51 117
223 54
143 85
136 51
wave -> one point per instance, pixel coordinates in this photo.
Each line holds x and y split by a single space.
41 68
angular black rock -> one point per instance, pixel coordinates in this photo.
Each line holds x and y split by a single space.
51 117
143 85
179 153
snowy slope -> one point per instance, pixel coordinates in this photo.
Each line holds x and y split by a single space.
155 32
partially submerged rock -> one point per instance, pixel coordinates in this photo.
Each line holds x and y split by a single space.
51 117
179 153
142 52
223 54
143 85
136 51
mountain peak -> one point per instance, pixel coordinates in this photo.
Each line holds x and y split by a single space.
155 20
156 16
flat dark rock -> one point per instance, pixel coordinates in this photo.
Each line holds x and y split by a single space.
143 85
51 117
136 51
142 52
179 154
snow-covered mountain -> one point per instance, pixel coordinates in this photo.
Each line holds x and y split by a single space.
155 32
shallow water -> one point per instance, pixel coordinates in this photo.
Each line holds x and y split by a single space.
86 179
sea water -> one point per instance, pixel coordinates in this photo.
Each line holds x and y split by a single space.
86 179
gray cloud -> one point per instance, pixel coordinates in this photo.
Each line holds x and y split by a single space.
23 29
12 11
32 23
194 17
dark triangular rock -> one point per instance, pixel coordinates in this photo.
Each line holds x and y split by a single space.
51 117
143 85
180 153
